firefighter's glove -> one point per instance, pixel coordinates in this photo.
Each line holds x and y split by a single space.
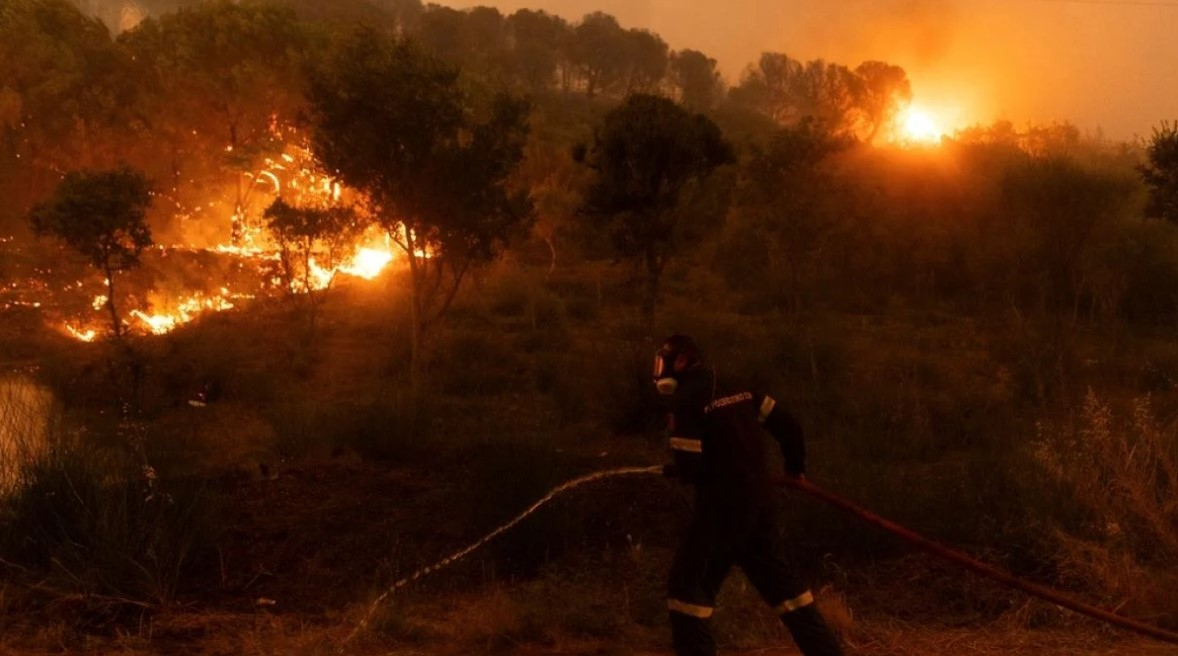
670 470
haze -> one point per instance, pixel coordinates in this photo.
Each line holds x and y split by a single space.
1103 65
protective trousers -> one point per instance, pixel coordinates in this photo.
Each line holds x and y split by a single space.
723 534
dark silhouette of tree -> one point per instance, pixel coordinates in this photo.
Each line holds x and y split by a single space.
65 90
395 125
597 49
884 91
696 80
1057 207
787 211
539 40
647 156
102 216
646 61
1160 173
831 96
769 87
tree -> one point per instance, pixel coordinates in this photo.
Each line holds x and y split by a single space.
64 92
768 87
226 76
1160 173
1058 207
789 92
647 157
394 124
884 91
695 79
538 39
646 61
102 216
788 209
597 48
312 243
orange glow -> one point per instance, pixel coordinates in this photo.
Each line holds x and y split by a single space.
84 335
293 175
918 127
368 262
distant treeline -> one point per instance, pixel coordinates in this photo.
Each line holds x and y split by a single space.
184 80
200 97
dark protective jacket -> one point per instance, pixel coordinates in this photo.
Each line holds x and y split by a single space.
717 436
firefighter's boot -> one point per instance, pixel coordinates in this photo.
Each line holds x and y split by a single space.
810 632
691 636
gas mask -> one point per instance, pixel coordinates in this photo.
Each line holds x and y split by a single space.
680 350
664 372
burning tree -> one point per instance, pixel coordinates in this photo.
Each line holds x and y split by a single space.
395 125
313 242
102 216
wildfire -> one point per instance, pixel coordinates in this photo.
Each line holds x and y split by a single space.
368 263
293 175
185 310
917 126
80 334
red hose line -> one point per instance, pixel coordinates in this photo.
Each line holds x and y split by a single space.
969 563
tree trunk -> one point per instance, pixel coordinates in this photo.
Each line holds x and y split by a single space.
110 303
416 323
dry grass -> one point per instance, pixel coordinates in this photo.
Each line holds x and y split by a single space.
1119 477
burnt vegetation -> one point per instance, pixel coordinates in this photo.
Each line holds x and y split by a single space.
978 335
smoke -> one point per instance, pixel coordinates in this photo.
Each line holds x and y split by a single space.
919 33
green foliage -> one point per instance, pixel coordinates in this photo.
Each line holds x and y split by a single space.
102 216
91 521
649 154
395 125
224 69
1060 208
790 91
64 93
539 38
1160 174
695 77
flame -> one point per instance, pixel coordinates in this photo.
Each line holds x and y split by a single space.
185 311
368 263
293 174
85 335
917 126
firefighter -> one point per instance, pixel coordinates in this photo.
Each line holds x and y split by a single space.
718 446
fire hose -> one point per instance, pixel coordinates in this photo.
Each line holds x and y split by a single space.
803 485
989 571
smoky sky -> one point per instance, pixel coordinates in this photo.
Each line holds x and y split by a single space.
1110 65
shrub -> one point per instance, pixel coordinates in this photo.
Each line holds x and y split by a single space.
476 363
99 523
1118 477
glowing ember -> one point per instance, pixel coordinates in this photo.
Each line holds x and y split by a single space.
80 334
185 310
917 126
